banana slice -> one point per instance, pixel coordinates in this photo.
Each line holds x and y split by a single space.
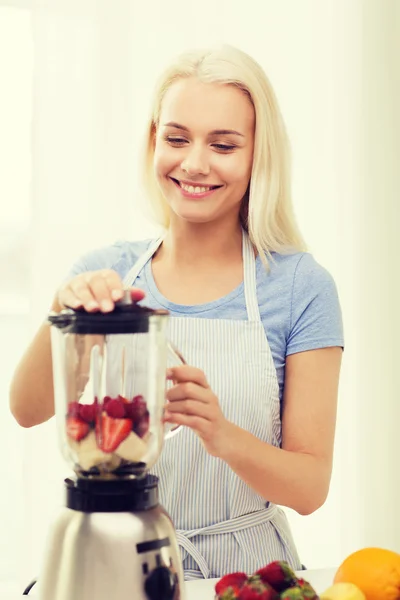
89 454
133 448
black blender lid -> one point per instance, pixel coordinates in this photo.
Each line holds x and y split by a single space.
127 317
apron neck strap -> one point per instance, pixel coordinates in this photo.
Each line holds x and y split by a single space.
249 273
250 279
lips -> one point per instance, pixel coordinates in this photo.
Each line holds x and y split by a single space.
194 187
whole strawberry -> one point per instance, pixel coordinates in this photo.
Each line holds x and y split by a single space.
255 589
301 591
307 590
292 593
228 587
278 574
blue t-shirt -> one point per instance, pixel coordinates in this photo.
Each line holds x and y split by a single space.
297 298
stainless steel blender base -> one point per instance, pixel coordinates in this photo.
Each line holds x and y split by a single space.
112 556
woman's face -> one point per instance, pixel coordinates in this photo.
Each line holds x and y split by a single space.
204 149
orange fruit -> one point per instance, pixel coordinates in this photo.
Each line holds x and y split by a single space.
375 571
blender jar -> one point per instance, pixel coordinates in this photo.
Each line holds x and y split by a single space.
109 375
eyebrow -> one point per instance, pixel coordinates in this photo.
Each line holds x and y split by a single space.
214 132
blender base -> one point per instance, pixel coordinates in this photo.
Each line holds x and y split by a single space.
112 541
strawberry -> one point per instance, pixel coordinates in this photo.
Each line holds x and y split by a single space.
123 399
255 589
302 590
137 408
307 589
87 413
292 593
231 593
112 432
76 428
116 408
227 588
73 409
141 426
278 574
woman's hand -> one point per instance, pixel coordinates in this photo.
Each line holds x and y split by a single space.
95 291
193 404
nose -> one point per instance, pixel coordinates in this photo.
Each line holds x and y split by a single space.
196 162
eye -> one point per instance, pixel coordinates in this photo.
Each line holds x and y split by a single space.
224 147
175 140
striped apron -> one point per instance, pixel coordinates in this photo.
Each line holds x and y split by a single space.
222 524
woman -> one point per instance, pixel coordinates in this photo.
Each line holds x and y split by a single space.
255 316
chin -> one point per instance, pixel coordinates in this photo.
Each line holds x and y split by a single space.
193 216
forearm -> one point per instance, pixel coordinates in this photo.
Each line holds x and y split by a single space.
298 481
31 390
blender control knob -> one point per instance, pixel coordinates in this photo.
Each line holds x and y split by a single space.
160 584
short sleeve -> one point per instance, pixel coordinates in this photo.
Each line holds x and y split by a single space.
110 257
315 316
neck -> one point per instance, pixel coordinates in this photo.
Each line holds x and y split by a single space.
202 243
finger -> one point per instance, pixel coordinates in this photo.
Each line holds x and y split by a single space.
114 284
106 287
77 293
67 299
101 292
95 288
190 407
186 373
196 423
80 287
188 390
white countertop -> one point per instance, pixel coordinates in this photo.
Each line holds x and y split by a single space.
203 589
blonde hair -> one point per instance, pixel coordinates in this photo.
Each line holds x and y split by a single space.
267 214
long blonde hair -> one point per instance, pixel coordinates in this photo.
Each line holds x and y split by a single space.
267 213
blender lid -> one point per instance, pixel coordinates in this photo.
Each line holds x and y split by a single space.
127 317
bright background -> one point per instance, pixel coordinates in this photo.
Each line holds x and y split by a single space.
75 84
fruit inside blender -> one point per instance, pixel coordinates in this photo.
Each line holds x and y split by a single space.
105 435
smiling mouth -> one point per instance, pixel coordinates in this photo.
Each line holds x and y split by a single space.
195 189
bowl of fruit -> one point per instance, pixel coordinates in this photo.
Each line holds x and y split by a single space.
275 581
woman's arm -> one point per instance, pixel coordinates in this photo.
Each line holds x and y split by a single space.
298 475
31 390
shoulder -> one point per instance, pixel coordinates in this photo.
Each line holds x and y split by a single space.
119 257
310 277
298 267
296 274
304 295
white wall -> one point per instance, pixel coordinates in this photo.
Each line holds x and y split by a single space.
333 65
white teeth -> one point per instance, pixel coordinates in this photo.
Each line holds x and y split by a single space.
194 189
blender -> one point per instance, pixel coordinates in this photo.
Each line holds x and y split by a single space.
113 539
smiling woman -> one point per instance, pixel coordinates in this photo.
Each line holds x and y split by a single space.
256 317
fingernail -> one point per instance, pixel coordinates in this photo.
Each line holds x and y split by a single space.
92 304
107 305
116 294
170 373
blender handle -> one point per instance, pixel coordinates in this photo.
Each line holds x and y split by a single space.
176 353
178 356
